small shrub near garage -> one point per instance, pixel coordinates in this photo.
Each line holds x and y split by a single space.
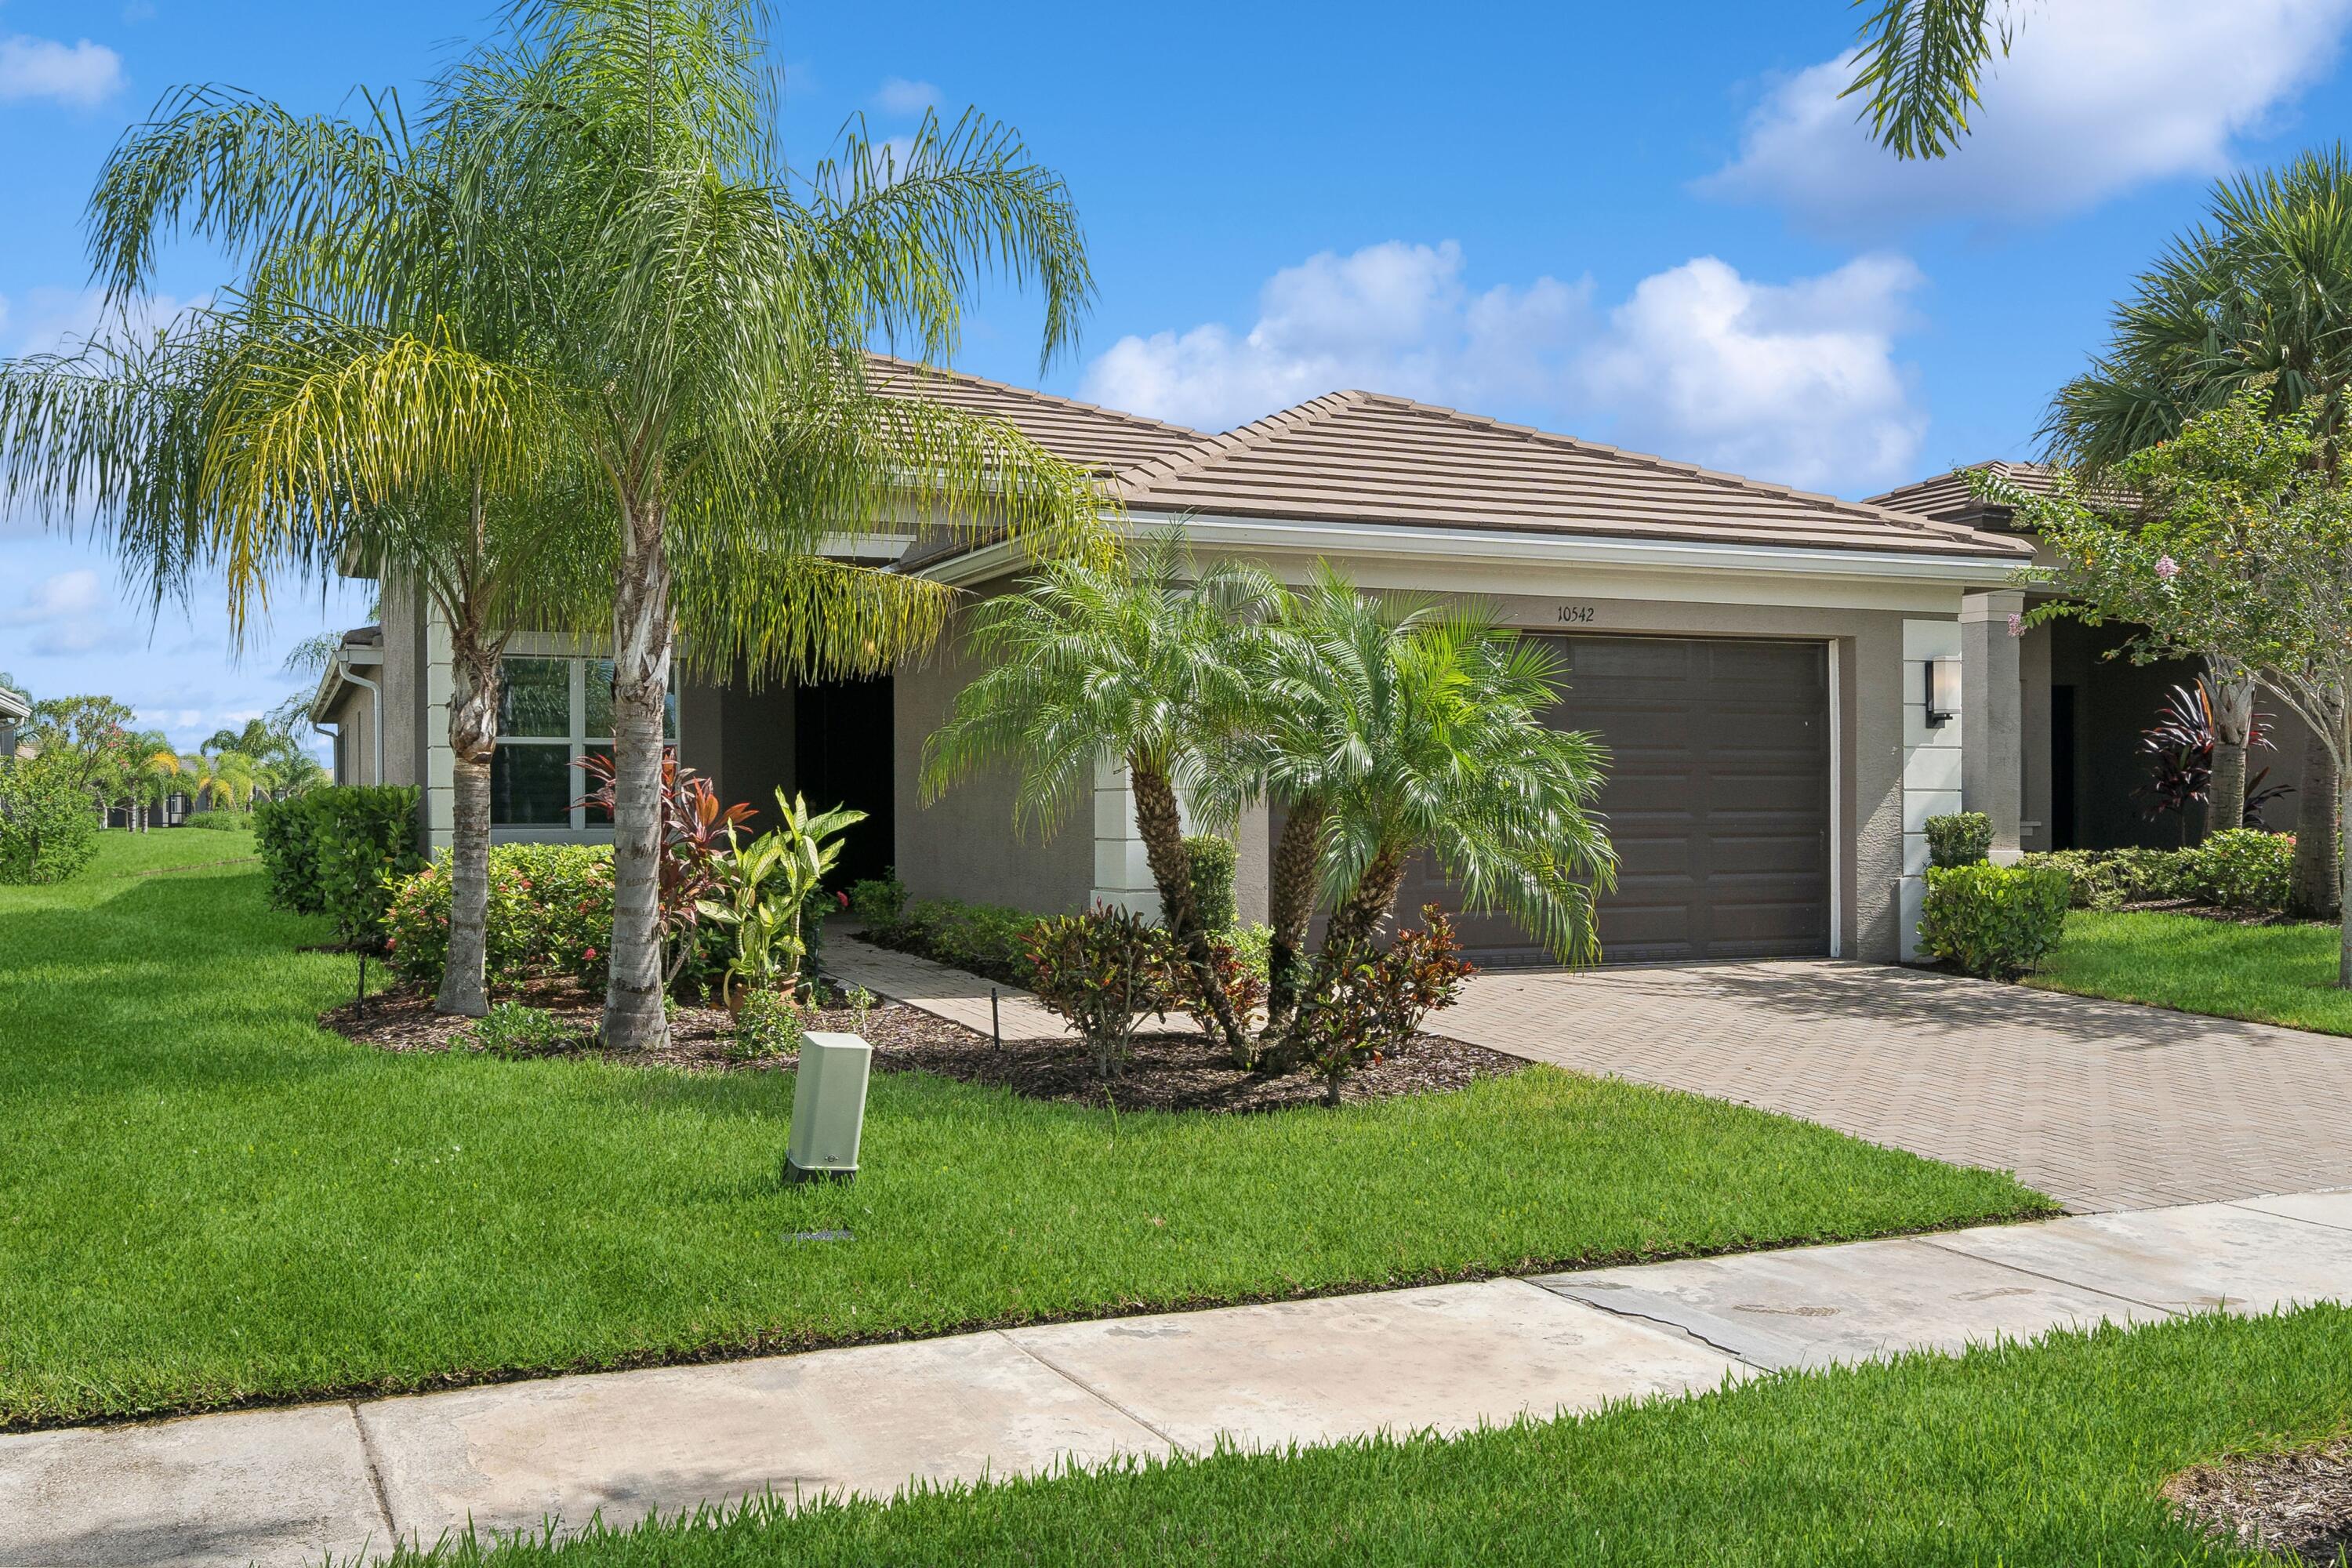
1960 838
1994 921
1367 1002
550 914
48 829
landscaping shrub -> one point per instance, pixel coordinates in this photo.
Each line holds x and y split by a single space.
1362 1003
550 914
1960 838
1212 858
511 1029
989 939
1100 971
1994 921
337 850
219 821
48 830
2245 867
767 1025
876 902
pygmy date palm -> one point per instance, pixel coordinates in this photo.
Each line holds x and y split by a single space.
1132 661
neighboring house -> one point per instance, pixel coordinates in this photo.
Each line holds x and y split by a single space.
1761 660
16 713
2084 704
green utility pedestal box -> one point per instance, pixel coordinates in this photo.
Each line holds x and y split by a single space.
828 1108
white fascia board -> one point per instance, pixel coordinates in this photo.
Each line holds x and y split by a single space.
1437 547
864 546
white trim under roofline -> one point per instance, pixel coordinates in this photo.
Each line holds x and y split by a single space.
1510 547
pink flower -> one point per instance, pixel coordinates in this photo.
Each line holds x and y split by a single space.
2016 625
589 952
843 898
2167 567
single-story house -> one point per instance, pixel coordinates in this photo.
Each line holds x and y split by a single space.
16 713
2084 704
1791 684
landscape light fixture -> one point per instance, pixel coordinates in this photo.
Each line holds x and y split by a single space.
1943 693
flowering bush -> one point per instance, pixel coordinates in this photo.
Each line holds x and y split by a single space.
551 913
1364 1004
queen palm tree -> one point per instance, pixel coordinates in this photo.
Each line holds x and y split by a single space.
1392 726
1132 661
591 274
2257 298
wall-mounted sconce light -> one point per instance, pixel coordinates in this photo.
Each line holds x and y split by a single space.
1943 693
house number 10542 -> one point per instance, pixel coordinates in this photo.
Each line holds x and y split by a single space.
1575 614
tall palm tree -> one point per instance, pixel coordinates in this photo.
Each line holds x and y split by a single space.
1130 659
154 765
590 273
2259 298
1395 726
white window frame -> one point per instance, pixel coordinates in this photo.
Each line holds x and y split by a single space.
577 744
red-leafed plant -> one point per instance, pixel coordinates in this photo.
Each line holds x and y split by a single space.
1366 1001
695 830
1100 971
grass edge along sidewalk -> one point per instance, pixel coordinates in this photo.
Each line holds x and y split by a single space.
212 1202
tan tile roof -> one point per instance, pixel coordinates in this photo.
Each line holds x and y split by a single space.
1103 439
1368 457
1946 495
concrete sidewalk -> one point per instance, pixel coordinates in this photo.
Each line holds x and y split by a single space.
285 1486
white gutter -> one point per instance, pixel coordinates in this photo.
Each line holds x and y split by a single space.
341 669
1511 547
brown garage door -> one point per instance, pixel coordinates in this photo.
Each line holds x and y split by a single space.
1717 800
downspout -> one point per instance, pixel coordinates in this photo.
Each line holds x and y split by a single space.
375 695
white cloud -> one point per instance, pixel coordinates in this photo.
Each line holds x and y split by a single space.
1797 382
2098 96
54 321
66 614
1390 318
896 95
80 73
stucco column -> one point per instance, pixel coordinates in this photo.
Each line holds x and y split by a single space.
1992 716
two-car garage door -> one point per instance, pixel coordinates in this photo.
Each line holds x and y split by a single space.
1718 799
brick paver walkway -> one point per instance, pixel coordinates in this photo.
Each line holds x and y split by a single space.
2103 1105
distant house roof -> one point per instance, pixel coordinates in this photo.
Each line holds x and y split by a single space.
1369 458
1102 439
1946 495
15 705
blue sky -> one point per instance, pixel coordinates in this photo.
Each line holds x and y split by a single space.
1651 225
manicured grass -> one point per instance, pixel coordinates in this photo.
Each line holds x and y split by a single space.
2271 974
2049 1453
206 1199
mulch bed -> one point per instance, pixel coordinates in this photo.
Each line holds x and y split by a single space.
2298 1504
1180 1069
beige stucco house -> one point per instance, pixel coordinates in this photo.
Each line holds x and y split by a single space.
1791 684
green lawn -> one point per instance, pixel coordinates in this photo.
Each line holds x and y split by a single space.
206 1199
2272 974
2048 1455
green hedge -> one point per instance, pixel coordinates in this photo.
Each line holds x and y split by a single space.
1995 921
48 826
1961 838
337 849
2241 867
551 913
988 939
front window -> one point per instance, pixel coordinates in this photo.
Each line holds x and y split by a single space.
552 712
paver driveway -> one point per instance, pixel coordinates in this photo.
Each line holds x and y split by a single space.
2103 1105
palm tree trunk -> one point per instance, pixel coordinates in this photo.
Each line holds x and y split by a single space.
473 733
2233 721
634 1016
2313 890
1162 826
1360 914
1296 855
